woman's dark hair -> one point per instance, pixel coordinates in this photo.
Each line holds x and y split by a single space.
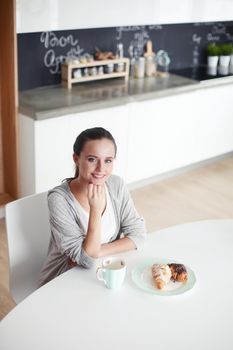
91 134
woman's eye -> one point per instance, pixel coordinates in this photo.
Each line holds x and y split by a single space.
91 160
108 161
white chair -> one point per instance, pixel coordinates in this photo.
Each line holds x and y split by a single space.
28 231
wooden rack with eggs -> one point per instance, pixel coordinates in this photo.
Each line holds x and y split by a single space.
68 69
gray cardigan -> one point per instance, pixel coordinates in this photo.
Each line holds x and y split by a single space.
67 233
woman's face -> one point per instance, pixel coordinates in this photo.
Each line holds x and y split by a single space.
95 162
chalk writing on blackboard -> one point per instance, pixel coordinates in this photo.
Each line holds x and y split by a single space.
211 37
121 30
218 32
139 41
196 39
219 29
50 42
155 27
140 36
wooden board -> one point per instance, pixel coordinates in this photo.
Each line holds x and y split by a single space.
9 99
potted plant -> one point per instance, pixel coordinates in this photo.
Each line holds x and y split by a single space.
225 57
231 61
213 55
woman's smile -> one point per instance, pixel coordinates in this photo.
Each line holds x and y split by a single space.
98 176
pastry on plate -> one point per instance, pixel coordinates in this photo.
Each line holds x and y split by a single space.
179 272
161 274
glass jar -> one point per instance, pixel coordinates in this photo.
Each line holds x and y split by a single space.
163 61
139 67
150 66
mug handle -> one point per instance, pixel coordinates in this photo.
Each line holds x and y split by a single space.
99 274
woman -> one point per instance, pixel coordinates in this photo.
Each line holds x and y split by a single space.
90 212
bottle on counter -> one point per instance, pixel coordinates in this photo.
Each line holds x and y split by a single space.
120 50
150 62
132 61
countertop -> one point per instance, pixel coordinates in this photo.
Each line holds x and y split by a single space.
54 101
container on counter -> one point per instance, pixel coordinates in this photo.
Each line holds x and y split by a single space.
163 61
108 69
150 62
77 73
75 61
132 67
132 61
89 57
70 60
93 71
150 66
83 59
85 72
139 67
120 51
119 67
100 70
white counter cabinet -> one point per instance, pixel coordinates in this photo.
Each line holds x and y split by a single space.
176 131
161 135
153 137
214 122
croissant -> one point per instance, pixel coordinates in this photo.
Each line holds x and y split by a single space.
179 272
161 274
103 55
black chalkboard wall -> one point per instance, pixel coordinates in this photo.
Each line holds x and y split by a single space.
40 54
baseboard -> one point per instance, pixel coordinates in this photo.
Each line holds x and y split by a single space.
148 181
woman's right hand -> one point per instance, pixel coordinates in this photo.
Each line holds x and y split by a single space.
96 198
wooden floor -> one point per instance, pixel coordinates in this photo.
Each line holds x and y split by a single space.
203 193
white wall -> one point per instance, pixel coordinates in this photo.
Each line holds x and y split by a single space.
46 15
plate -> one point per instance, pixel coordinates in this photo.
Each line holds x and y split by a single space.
142 277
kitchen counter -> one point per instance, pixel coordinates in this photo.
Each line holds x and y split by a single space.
54 101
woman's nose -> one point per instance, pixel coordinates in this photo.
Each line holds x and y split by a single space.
100 166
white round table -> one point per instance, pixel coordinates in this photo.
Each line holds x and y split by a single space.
76 311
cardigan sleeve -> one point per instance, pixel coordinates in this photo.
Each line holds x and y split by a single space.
66 230
131 223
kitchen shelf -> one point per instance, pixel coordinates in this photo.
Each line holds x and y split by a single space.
67 71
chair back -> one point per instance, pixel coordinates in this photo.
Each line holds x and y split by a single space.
28 232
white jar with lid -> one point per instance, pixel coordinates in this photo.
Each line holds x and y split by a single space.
139 67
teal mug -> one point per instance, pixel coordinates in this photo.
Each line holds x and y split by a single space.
112 272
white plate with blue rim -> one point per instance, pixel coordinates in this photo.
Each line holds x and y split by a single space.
142 277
